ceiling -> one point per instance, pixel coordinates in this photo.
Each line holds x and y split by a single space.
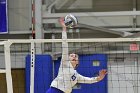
118 17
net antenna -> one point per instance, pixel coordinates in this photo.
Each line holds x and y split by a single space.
32 67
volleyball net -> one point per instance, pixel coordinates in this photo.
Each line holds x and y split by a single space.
120 56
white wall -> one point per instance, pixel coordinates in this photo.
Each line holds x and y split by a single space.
17 60
123 77
19 12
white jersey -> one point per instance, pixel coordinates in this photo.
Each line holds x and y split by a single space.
67 75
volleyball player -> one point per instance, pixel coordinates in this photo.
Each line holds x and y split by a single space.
67 75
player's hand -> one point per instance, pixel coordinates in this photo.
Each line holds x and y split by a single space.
102 74
61 21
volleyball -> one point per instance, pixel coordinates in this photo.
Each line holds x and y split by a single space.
70 21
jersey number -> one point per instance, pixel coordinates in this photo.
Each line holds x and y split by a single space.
73 77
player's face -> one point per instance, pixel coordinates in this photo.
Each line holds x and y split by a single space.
74 60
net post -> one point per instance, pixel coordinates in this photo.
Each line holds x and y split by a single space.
8 67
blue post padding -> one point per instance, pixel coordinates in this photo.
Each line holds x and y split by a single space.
43 73
86 68
56 66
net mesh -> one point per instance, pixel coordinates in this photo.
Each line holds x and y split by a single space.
123 64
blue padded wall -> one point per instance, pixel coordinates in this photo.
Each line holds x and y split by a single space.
43 73
86 68
56 66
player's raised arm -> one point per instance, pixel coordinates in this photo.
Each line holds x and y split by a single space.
65 53
69 21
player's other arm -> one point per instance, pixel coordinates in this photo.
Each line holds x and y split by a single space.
83 79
